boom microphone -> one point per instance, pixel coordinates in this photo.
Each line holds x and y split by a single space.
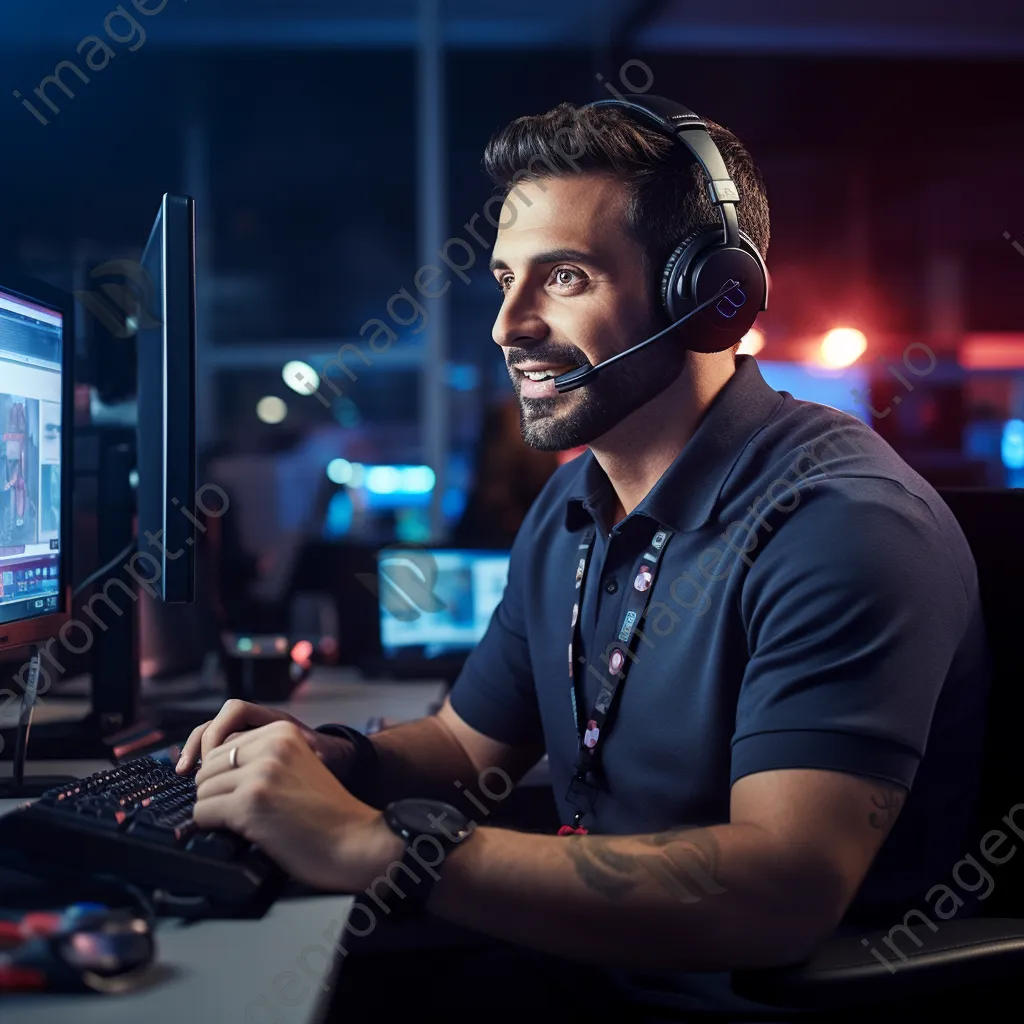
585 374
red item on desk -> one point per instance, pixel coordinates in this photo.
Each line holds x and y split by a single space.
17 979
36 923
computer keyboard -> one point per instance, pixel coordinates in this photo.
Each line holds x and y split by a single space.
133 822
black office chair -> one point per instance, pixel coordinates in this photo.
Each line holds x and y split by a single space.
964 962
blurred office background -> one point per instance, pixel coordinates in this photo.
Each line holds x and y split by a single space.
333 148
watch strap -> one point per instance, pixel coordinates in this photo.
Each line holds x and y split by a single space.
414 893
363 766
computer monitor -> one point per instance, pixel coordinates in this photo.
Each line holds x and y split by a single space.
166 431
437 602
36 403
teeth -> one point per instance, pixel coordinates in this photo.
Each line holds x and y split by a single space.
537 375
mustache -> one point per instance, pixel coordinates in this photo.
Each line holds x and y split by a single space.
556 355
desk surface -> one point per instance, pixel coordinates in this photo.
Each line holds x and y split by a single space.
326 696
215 971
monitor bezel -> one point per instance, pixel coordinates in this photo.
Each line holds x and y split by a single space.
172 233
41 628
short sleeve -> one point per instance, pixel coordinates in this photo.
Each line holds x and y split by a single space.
495 692
854 611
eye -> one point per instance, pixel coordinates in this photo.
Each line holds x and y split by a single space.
566 277
504 281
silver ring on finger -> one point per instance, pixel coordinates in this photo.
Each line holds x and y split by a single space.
233 757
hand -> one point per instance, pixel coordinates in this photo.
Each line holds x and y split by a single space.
238 715
282 797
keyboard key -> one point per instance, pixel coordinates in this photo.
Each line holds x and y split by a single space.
218 845
152 833
84 823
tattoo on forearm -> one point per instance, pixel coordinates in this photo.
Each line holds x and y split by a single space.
886 803
683 861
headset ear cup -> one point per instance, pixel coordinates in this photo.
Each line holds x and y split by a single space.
762 266
696 269
675 268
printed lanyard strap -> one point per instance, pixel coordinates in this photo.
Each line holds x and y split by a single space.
592 733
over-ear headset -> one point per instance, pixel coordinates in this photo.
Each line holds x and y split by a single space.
705 261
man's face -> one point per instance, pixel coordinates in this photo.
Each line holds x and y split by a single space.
575 293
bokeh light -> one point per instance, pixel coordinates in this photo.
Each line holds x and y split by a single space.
339 471
752 343
1012 447
271 409
842 346
300 377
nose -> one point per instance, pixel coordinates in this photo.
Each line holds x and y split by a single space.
519 321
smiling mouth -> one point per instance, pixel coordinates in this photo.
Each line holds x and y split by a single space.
547 374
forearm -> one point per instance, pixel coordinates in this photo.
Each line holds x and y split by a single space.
706 899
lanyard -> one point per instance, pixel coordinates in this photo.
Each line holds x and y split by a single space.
591 732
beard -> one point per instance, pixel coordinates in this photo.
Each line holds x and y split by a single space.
582 416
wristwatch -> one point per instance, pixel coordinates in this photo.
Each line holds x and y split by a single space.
364 763
431 830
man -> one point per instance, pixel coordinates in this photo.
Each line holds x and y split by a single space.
797 744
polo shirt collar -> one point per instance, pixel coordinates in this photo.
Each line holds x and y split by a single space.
687 492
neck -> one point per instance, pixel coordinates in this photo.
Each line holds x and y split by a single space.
635 453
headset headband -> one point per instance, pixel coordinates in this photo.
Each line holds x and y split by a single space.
682 124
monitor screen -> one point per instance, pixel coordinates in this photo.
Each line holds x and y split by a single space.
30 435
437 601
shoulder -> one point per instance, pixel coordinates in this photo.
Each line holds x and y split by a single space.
808 441
818 487
864 537
836 459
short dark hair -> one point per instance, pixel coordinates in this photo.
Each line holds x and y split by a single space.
667 195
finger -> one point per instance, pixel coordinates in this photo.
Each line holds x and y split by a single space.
190 752
218 761
251 742
218 812
234 716
218 784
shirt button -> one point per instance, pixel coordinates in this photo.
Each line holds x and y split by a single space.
611 586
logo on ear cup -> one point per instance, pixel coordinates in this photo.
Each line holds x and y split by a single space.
727 305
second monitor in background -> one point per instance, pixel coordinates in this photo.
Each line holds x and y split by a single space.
435 606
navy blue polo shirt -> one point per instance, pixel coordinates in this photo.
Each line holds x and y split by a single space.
816 607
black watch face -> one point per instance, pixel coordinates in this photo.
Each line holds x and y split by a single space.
430 817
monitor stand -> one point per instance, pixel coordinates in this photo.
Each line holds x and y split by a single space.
35 785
